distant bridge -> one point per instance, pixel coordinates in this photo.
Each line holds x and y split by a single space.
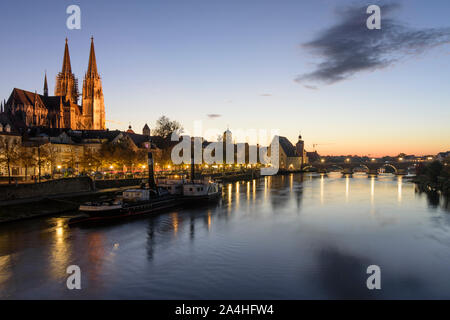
370 167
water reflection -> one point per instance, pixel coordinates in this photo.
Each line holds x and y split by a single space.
288 237
322 187
60 251
399 188
237 195
347 187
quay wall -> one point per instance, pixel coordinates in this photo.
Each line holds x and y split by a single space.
47 188
109 184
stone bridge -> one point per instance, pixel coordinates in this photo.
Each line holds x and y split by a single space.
370 167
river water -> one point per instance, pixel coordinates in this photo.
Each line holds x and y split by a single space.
284 237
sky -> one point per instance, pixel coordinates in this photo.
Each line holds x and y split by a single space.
306 67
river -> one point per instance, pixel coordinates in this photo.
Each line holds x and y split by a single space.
299 236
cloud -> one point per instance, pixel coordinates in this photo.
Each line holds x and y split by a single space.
349 47
214 115
265 95
310 87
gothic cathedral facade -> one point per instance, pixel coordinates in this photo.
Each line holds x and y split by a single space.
25 109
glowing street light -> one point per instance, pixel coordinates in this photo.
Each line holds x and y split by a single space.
348 159
59 167
322 160
400 159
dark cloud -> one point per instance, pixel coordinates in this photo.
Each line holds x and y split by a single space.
310 87
350 47
214 115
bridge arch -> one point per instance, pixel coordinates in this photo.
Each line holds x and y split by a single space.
361 165
390 166
335 166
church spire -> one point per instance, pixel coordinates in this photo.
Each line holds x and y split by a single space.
45 85
66 83
66 68
92 67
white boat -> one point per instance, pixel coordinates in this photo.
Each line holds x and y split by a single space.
173 185
202 190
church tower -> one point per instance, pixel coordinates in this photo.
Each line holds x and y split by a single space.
66 83
93 105
146 130
45 86
300 149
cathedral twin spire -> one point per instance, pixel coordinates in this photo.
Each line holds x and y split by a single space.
66 67
92 67
92 110
66 82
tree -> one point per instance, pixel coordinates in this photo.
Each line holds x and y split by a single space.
122 153
48 154
163 131
434 170
9 153
73 160
28 158
165 127
89 159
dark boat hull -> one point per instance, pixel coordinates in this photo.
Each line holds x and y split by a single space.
202 198
127 211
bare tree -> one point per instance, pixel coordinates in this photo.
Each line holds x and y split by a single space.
165 127
9 153
27 158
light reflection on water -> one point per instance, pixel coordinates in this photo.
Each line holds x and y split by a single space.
284 237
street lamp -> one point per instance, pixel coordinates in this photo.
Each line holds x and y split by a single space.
322 160
348 159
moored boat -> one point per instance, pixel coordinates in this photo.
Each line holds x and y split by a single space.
205 190
133 202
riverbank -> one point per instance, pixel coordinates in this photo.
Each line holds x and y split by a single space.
425 184
28 208
434 177
58 204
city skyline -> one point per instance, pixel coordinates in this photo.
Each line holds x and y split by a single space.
151 68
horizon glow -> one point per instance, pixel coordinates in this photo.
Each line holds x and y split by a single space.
237 61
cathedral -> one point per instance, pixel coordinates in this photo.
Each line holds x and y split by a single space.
25 109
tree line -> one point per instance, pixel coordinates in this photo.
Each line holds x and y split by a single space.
122 154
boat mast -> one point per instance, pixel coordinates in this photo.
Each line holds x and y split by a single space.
151 174
192 167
